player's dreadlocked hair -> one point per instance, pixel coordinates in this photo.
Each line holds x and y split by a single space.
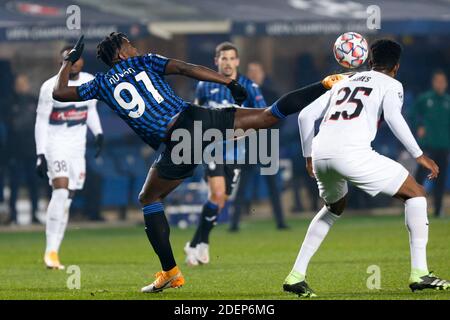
107 49
385 54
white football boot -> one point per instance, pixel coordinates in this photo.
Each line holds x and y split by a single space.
203 253
191 255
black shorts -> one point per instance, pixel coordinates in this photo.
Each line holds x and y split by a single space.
231 173
220 119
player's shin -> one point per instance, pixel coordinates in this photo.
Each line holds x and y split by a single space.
158 232
317 231
205 223
208 220
296 100
197 251
55 216
63 222
417 223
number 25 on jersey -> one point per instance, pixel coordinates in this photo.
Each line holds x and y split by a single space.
348 97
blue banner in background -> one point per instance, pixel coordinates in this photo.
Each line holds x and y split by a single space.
62 20
60 32
298 28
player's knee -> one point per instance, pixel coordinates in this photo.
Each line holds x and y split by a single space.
417 190
410 189
218 197
141 198
338 207
146 198
60 183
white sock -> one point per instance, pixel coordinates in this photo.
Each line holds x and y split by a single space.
416 221
63 223
317 231
55 215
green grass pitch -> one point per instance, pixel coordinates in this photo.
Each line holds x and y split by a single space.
252 264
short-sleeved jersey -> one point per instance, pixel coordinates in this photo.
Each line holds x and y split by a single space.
353 113
216 95
136 90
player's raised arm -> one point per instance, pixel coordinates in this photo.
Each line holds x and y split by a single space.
62 92
205 74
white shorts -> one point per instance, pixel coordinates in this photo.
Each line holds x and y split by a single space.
67 164
369 171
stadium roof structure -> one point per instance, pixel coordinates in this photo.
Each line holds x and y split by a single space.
283 17
37 20
30 20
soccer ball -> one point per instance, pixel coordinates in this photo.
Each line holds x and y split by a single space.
350 50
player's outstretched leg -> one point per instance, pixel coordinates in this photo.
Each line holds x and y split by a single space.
158 231
290 103
416 221
295 282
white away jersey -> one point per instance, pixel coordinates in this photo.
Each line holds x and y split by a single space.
63 124
353 109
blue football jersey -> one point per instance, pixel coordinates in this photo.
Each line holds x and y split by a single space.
135 89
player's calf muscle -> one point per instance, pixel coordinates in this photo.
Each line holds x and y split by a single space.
254 119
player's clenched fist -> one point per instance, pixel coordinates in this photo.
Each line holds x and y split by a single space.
76 52
41 166
237 91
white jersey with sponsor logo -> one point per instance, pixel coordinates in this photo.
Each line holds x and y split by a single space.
353 109
62 125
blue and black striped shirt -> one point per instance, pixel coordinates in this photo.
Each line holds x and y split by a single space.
136 90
